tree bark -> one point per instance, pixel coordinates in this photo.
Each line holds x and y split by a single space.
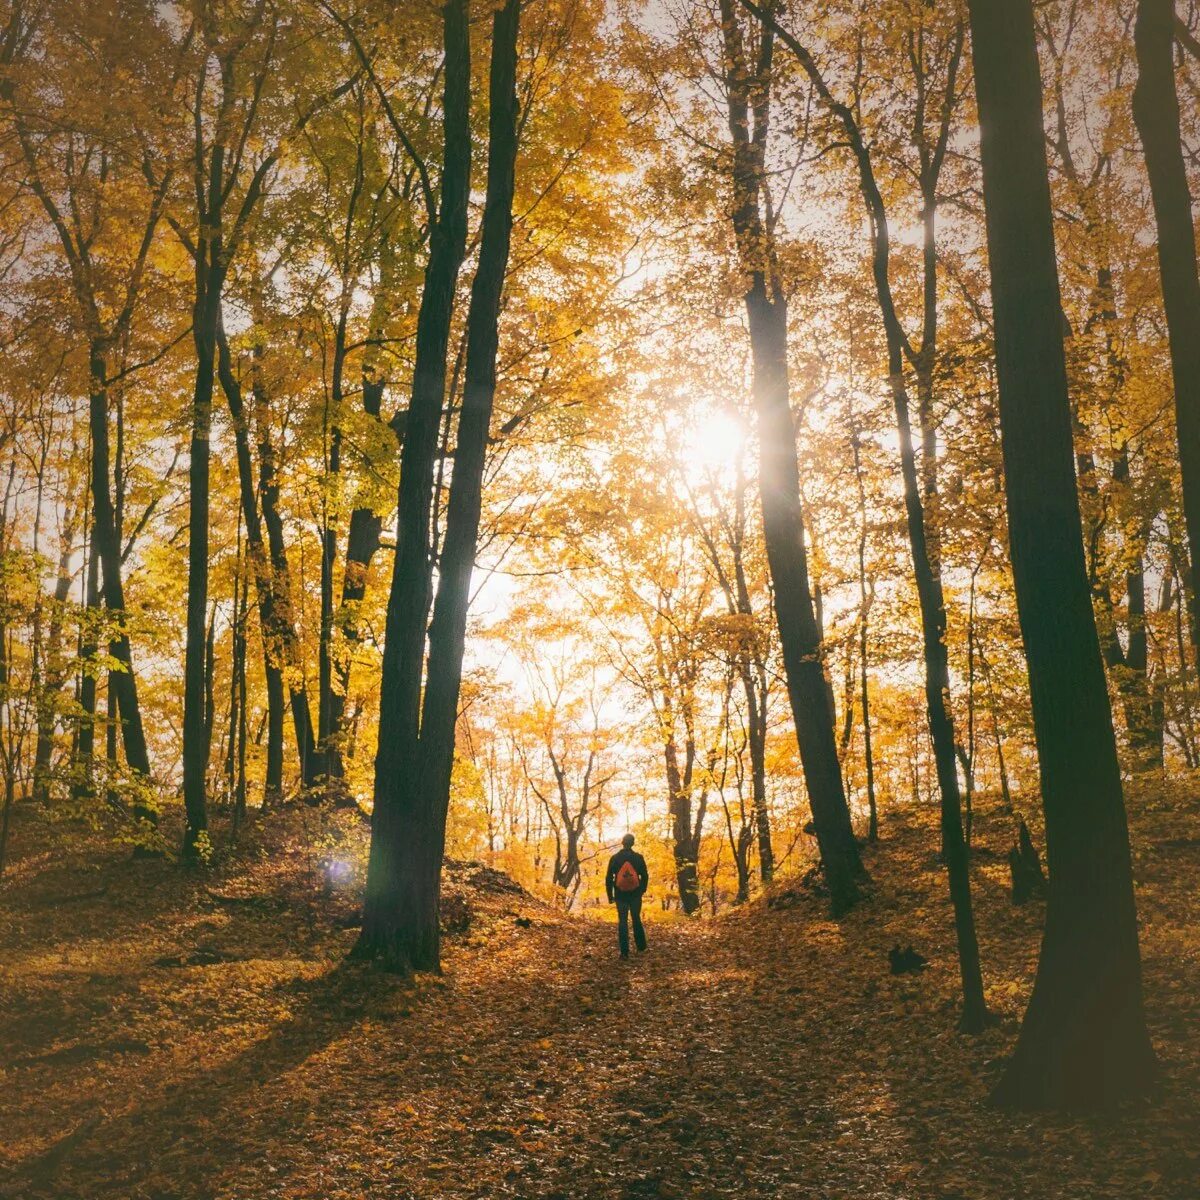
256 555
447 633
108 549
400 909
779 476
55 672
924 547
365 525
83 754
281 591
1156 114
205 320
1083 1043
866 598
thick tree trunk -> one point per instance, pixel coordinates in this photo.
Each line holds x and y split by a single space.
1083 1043
400 910
1156 114
447 631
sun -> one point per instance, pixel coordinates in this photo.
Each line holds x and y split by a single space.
714 444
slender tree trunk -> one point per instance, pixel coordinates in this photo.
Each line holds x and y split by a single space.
256 556
866 598
400 909
779 478
998 742
868 753
756 722
112 766
679 805
1083 1043
925 551
941 723
281 594
205 320
108 549
328 748
237 665
1142 711
85 737
55 675
362 537
1156 114
239 715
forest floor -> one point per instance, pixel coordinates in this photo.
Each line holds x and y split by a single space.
175 1038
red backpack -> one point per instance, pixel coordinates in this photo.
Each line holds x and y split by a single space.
628 880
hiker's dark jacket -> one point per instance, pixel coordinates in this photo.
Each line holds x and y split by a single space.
614 865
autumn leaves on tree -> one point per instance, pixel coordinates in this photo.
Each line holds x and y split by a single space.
517 401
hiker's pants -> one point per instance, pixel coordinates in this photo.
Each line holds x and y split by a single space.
627 907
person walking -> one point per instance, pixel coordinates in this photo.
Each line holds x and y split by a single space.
626 883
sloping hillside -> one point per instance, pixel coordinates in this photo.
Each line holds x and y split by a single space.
203 1038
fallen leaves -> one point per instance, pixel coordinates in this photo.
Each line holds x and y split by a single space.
769 1054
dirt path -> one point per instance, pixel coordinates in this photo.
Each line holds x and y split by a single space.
765 1055
548 1069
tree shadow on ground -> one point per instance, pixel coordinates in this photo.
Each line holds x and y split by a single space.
104 1150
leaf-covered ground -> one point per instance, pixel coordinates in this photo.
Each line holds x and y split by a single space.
175 1038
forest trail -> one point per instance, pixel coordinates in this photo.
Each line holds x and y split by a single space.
766 1054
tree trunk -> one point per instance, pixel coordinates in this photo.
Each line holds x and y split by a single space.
756 721
112 766
256 555
281 593
85 736
400 909
328 749
236 666
362 538
684 843
1156 114
866 598
941 722
55 674
1083 1043
779 480
205 319
924 547
447 631
108 549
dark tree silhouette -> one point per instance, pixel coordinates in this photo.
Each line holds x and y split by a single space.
1083 1043
1156 113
